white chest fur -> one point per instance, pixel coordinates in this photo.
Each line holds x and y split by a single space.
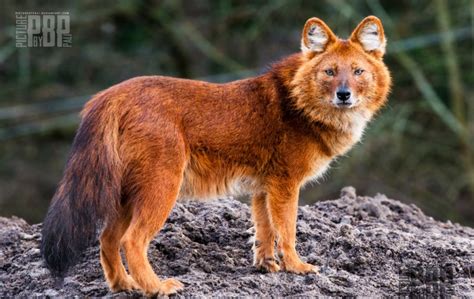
356 126
352 128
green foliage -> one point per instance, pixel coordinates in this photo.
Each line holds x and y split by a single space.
419 150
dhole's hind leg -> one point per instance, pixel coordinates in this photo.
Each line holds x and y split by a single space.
110 240
156 195
264 245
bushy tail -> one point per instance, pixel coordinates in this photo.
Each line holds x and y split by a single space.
89 191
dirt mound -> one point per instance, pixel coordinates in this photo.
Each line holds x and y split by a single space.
364 246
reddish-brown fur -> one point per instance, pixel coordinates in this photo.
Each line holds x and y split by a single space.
164 138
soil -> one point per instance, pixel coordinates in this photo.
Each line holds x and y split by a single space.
365 246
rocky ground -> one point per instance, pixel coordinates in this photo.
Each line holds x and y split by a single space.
364 245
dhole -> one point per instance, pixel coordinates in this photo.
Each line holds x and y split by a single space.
148 141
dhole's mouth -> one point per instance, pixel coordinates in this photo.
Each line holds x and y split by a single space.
343 104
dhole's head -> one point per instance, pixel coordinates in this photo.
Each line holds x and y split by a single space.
341 75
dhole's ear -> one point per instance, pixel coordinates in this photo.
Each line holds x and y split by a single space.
369 34
316 36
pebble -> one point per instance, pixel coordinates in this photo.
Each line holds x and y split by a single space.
34 251
346 219
349 192
345 230
25 236
50 293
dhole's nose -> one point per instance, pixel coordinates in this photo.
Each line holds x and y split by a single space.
343 94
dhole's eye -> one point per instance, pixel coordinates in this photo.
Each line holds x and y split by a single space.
358 72
329 72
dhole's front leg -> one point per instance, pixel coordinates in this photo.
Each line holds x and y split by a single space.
264 244
283 207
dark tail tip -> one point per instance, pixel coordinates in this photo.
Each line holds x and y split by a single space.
65 236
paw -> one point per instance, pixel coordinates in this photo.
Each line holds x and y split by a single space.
126 284
167 287
266 264
300 267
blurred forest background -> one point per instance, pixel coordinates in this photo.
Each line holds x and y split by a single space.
419 150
